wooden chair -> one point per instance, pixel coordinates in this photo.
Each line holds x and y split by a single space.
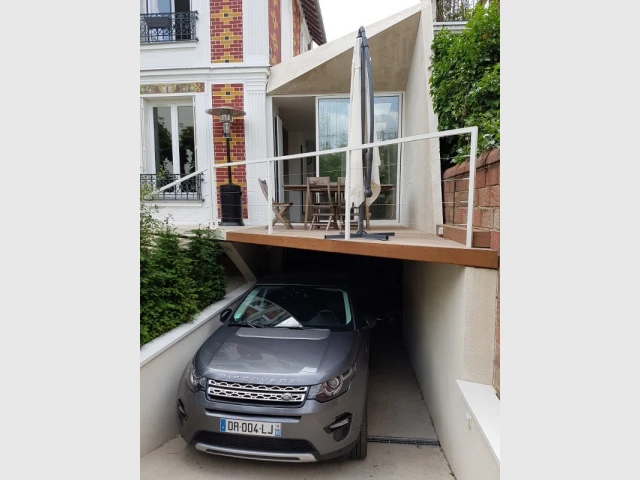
341 206
321 204
279 209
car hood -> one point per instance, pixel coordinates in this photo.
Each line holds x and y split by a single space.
277 356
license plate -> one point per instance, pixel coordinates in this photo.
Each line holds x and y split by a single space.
244 427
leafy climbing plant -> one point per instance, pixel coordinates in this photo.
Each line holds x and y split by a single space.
465 81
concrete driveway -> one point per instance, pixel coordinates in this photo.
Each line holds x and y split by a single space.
175 460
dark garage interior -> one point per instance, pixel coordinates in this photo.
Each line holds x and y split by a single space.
397 411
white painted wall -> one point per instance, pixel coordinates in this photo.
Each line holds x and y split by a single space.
420 169
449 322
255 23
162 362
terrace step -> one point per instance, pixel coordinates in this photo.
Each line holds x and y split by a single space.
481 238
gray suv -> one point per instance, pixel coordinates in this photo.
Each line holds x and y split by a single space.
284 379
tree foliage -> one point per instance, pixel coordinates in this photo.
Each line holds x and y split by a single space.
465 81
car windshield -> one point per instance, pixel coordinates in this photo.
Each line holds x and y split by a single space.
295 306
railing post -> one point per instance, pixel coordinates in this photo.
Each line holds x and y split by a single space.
472 184
213 217
347 200
269 200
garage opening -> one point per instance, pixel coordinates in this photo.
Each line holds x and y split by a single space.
396 407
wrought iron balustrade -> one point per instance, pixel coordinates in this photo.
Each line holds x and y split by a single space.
190 189
168 27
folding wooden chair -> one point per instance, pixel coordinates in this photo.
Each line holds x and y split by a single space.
322 206
279 209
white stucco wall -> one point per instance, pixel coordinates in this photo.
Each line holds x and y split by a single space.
449 321
420 170
162 362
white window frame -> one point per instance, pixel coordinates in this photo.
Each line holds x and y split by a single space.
148 141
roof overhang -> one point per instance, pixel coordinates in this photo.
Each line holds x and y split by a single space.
313 16
327 69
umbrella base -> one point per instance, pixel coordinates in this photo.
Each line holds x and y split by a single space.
362 234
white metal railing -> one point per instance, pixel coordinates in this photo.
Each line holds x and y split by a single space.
473 131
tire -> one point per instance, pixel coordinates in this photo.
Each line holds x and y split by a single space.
359 451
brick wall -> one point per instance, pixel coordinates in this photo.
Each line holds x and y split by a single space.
296 28
230 95
486 214
486 200
226 31
275 37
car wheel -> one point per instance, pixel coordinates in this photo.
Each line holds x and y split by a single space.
359 451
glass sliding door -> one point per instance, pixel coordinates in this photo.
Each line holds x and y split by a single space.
333 128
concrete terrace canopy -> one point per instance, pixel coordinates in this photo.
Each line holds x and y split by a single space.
327 69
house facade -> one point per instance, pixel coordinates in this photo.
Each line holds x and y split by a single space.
201 54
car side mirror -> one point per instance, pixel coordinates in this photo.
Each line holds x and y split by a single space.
224 315
370 320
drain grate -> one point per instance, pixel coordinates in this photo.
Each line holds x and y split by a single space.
402 440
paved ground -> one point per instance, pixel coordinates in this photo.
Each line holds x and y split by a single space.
396 406
175 460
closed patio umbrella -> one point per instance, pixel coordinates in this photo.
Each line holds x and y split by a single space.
364 181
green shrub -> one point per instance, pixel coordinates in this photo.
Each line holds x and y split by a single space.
179 275
465 82
203 249
168 295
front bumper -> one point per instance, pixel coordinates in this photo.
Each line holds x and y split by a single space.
306 436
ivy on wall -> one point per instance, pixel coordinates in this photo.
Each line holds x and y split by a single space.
465 82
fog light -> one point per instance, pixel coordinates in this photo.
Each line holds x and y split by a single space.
340 423
181 410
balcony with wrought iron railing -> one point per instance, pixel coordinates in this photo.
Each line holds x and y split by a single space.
168 27
189 189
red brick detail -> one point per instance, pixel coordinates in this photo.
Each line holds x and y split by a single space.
495 196
461 198
460 216
493 175
226 31
296 28
481 178
487 218
477 218
484 196
448 214
223 95
275 37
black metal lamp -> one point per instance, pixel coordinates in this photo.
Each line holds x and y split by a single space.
230 194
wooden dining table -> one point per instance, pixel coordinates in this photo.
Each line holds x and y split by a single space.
333 188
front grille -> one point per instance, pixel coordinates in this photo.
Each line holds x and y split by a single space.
256 444
251 394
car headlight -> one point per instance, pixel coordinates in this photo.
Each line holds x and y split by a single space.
194 382
332 388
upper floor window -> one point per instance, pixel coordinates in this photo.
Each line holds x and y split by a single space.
167 21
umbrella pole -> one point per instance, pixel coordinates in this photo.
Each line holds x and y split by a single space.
367 153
